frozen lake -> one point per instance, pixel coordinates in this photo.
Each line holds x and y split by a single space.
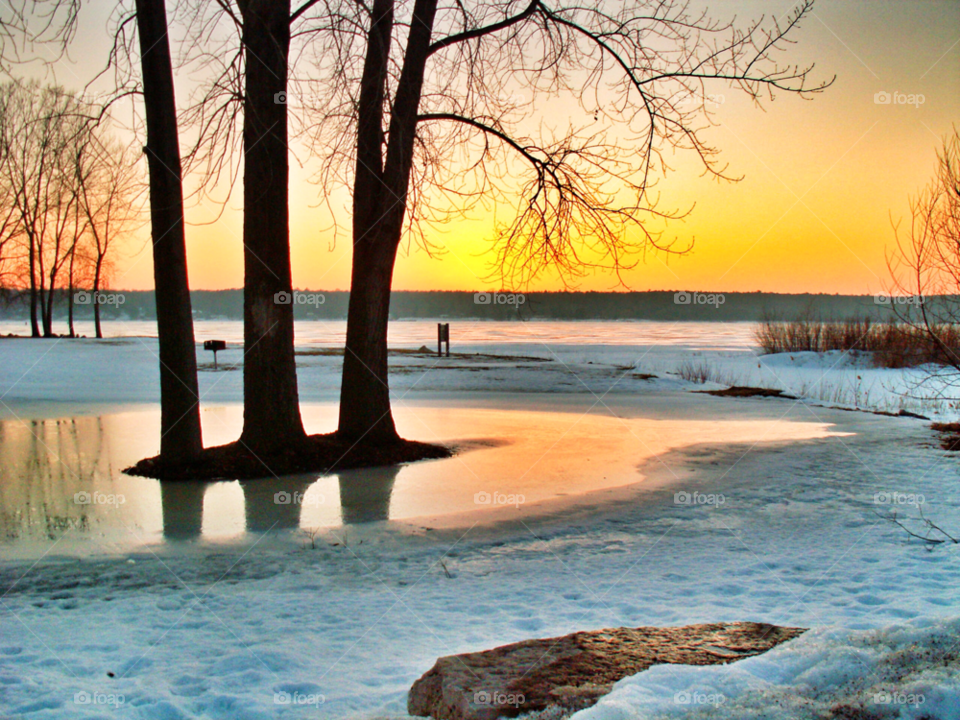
413 333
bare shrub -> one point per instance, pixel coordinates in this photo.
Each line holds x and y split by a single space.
698 371
893 345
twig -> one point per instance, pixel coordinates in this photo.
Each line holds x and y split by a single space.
892 517
445 571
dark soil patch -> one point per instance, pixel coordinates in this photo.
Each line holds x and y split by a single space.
901 413
949 435
741 391
220 367
320 454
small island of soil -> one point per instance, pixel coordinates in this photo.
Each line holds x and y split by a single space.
319 454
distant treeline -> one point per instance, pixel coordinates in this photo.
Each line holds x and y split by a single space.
659 305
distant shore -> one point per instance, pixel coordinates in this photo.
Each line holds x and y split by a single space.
679 305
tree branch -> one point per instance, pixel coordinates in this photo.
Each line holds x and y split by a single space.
487 30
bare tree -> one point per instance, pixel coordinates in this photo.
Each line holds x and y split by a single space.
55 22
180 439
43 128
255 75
108 188
925 267
242 50
271 406
10 228
428 108
75 256
68 189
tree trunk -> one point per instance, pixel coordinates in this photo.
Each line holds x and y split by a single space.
70 330
271 403
180 439
46 305
96 306
365 412
70 287
34 299
379 205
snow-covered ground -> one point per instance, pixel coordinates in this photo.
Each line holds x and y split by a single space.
577 357
909 671
340 623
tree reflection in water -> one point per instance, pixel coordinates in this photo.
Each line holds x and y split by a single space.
365 494
44 465
277 503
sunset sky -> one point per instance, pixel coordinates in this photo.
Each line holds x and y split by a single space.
822 178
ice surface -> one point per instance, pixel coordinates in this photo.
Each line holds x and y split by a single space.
62 480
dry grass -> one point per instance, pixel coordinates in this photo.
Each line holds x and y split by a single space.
696 371
949 435
894 345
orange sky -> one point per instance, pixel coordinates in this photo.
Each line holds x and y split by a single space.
813 213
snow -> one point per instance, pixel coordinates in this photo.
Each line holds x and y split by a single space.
570 357
340 622
904 672
837 378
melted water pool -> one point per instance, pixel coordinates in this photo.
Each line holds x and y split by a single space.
62 489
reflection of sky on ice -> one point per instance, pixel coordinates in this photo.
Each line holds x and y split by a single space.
62 479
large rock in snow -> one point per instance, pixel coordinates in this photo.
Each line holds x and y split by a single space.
573 671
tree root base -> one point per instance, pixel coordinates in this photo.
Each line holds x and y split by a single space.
320 454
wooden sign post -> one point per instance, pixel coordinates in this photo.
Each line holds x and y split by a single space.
443 336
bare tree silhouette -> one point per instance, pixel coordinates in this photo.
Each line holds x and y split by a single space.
108 188
180 439
426 109
55 22
925 266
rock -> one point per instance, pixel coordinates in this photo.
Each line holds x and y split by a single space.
573 671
